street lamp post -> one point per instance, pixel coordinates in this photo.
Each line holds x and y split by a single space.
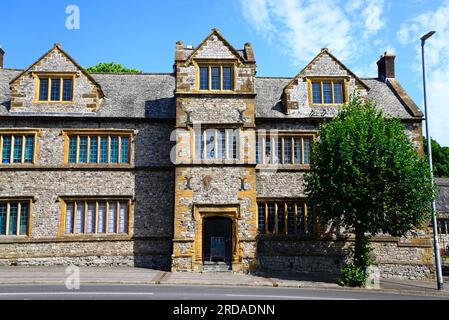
436 245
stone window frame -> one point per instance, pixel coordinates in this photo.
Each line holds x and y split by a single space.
67 133
274 135
216 63
24 133
217 128
50 75
443 225
345 88
19 201
64 200
285 202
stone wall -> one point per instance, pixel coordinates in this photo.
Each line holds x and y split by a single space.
148 181
393 257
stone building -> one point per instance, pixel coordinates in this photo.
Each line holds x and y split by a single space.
199 169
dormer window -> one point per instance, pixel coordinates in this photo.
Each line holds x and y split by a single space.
216 77
55 89
327 92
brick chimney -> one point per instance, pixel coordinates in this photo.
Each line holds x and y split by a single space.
2 54
386 65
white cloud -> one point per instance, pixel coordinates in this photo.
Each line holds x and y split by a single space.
437 63
302 27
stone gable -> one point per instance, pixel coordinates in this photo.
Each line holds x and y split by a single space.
87 95
214 48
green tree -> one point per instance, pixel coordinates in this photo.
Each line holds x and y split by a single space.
367 177
440 157
111 67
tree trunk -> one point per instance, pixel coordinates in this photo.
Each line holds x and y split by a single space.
362 249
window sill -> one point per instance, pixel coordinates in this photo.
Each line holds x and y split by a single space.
53 102
291 237
94 237
283 167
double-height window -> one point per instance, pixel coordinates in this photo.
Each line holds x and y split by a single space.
17 147
216 144
327 92
55 88
285 217
216 77
285 149
98 148
15 217
96 216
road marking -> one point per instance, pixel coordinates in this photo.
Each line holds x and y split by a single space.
74 293
285 297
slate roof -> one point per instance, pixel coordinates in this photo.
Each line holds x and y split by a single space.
152 96
443 197
269 93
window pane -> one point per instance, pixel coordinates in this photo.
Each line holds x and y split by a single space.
114 150
104 149
204 78
123 218
210 144
13 216
307 145
310 220
290 219
24 216
67 90
298 150
124 153
258 145
29 149
338 92
18 141
261 217
234 150
6 149
101 217
3 219
301 228
215 78
271 223
93 153
69 218
199 146
267 150
91 217
112 217
80 218
281 218
72 149
221 144
227 78
316 92
43 89
55 89
83 150
287 150
327 92
278 142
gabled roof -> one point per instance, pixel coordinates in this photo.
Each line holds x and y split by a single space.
216 32
322 52
58 47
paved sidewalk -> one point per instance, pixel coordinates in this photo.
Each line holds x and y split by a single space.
129 275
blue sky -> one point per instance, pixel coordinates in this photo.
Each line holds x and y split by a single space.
285 34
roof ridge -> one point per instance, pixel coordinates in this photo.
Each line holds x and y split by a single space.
273 77
133 73
11 69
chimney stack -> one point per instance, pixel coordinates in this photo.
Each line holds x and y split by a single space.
386 65
2 54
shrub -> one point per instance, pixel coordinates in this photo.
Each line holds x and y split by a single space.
352 276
